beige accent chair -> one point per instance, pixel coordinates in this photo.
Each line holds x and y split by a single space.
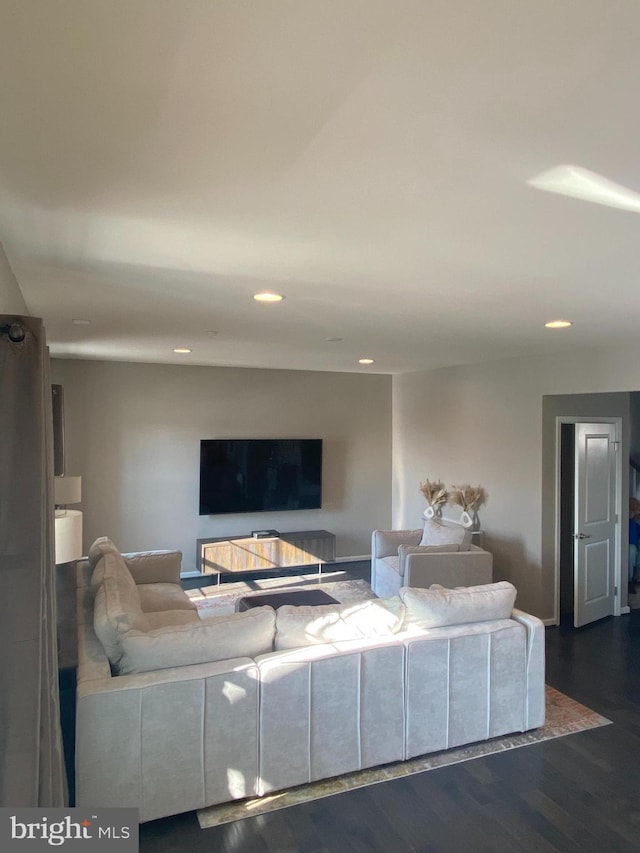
398 559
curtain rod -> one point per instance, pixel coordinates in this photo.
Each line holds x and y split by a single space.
14 331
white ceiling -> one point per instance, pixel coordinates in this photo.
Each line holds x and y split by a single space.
161 161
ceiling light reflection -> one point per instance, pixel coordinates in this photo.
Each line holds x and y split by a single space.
576 182
268 296
558 324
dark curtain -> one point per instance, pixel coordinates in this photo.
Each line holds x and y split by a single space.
31 758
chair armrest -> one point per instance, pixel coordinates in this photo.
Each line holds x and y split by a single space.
451 569
154 566
385 543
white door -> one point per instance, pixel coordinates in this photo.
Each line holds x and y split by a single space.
594 522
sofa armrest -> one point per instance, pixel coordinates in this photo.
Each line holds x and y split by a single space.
131 684
385 543
451 569
535 666
93 664
154 566
161 741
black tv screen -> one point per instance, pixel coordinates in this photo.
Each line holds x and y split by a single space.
260 475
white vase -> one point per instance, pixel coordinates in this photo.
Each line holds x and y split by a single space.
429 512
465 519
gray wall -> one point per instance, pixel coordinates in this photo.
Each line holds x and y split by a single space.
11 300
133 433
483 424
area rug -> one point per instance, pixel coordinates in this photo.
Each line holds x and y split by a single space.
564 716
220 600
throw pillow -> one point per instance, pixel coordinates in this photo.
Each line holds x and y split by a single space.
438 532
329 623
245 634
436 608
116 610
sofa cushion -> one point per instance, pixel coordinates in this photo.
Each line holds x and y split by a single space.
439 607
328 623
103 545
110 624
154 566
105 629
113 616
122 609
163 596
120 586
162 618
246 634
438 532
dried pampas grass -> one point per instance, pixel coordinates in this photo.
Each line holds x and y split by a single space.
468 497
436 494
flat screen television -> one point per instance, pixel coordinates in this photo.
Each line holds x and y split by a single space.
260 474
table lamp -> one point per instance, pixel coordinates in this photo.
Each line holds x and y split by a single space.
68 522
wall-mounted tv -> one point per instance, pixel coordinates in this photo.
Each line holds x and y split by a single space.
260 474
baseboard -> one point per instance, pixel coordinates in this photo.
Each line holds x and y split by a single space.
549 623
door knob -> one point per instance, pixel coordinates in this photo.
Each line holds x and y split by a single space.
581 536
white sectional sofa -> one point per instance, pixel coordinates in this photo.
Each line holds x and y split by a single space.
309 693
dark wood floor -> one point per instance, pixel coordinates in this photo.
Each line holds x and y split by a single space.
578 793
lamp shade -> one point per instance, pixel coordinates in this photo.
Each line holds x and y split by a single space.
68 529
67 490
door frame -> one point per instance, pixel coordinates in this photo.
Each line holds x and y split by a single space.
584 419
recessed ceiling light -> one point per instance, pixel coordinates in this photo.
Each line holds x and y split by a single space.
78 322
334 340
182 350
558 324
365 361
212 332
268 296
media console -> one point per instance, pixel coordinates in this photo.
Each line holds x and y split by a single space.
248 554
